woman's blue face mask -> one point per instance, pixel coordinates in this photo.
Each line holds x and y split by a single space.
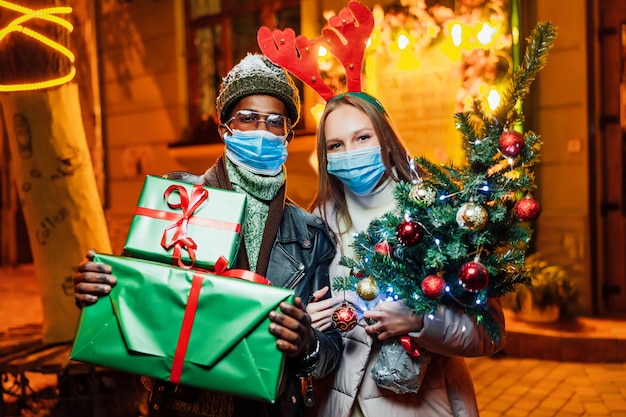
257 151
359 170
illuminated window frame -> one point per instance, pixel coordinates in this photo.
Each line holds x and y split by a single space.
215 26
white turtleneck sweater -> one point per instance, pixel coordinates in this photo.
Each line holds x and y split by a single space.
362 209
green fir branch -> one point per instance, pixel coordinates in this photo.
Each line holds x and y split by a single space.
540 42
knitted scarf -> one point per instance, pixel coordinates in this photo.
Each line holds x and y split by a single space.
261 191
219 176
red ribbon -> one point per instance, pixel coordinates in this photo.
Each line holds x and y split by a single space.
192 307
410 346
199 221
185 330
220 269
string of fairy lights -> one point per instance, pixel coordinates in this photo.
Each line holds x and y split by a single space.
48 14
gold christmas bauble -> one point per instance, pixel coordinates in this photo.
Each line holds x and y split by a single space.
423 194
472 216
367 288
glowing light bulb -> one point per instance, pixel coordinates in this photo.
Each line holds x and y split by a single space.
457 34
485 36
322 52
493 98
316 112
403 41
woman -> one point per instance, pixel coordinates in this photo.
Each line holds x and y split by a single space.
361 157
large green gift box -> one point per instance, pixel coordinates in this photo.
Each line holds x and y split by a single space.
188 225
186 327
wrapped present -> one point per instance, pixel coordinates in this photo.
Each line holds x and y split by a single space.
186 327
184 224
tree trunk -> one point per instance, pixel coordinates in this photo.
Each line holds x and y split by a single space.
51 165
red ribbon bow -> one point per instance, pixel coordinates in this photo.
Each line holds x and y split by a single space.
188 205
410 346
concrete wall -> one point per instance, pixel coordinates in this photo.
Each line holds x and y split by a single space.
143 87
558 111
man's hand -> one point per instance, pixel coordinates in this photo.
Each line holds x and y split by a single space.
92 280
292 328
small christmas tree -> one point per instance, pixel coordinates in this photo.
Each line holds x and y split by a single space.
460 234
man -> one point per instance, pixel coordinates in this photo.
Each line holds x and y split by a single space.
257 106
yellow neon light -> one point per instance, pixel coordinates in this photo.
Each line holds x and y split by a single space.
46 14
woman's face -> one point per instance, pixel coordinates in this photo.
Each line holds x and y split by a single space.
347 129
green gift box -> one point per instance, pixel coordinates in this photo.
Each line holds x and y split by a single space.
186 327
188 225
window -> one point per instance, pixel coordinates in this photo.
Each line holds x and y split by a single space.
219 34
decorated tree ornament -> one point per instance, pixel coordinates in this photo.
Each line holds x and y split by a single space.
383 248
367 289
423 194
473 276
409 232
498 167
511 143
356 273
514 174
527 209
433 286
472 216
344 317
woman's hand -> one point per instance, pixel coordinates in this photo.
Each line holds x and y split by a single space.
92 280
393 318
321 312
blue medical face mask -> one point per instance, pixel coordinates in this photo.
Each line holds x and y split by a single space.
359 170
257 151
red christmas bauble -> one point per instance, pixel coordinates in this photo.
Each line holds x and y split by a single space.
357 273
433 286
473 276
409 232
344 318
384 248
527 209
511 143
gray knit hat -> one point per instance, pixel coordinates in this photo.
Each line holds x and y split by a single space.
256 74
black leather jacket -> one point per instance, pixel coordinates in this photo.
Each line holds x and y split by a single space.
300 257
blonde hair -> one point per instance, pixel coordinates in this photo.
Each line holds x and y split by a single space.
393 152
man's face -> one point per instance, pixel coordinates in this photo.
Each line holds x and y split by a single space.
258 103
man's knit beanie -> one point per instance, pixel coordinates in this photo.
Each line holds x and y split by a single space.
256 74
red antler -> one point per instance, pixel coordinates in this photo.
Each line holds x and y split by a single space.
346 36
297 55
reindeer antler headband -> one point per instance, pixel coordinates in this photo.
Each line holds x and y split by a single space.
345 36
